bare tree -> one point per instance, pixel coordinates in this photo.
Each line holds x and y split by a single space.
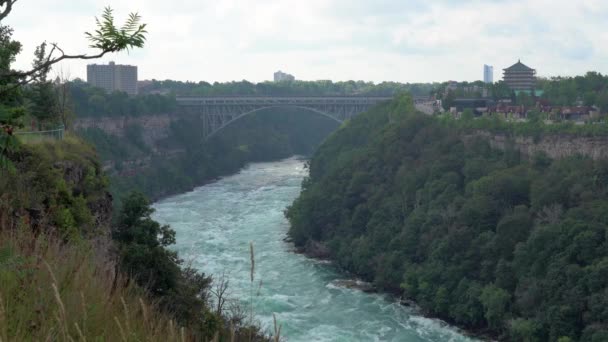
62 91
220 291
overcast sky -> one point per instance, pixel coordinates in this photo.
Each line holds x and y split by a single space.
372 40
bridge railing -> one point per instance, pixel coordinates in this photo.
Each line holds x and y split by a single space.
278 100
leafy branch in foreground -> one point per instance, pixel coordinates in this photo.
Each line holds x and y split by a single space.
107 38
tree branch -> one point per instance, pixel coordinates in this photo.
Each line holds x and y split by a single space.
50 61
8 8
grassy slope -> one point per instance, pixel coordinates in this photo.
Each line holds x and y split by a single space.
55 291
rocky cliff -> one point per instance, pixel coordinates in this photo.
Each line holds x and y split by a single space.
155 127
555 146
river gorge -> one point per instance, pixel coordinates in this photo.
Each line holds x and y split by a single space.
214 225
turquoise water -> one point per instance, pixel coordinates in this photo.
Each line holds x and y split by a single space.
216 222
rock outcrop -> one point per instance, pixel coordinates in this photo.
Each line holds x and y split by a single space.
155 127
554 146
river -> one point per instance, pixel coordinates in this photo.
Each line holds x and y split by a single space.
214 225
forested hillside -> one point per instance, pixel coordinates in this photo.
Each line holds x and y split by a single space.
511 247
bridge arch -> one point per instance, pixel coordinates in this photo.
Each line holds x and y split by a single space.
240 116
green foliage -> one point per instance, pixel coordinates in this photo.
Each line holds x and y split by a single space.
524 330
480 237
55 186
110 147
142 244
467 115
495 302
591 89
95 102
300 88
108 37
11 109
533 128
448 100
184 293
9 49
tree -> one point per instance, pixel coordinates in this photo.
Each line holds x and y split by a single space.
500 90
11 109
107 38
468 115
524 330
602 101
448 101
143 243
495 302
65 104
44 101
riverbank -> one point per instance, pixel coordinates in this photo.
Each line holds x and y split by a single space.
317 251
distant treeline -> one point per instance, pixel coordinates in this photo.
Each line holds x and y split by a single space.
91 101
589 90
301 88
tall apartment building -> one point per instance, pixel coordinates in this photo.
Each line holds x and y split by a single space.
113 77
488 74
520 77
281 76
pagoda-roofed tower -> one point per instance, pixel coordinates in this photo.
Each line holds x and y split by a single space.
520 77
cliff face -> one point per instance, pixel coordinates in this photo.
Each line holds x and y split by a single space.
155 127
555 146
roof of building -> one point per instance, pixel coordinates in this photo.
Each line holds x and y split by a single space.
519 66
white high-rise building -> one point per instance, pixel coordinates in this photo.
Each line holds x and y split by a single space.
281 76
113 77
488 74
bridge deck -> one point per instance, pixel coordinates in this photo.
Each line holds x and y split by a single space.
279 100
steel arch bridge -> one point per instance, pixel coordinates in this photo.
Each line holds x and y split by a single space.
219 112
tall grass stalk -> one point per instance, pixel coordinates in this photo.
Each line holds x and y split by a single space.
122 331
144 311
3 325
277 330
80 334
126 310
252 276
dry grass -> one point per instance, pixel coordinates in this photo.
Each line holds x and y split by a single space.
50 291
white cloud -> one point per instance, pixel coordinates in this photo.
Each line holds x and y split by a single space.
376 40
